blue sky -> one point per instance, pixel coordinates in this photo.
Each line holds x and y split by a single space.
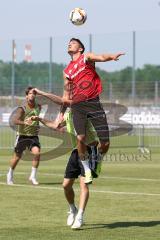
110 21
39 18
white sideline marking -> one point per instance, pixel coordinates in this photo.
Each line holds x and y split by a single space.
101 177
132 179
93 191
31 186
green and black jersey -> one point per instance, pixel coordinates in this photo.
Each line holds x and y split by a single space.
31 130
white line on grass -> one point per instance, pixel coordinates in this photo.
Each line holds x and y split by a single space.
93 191
31 186
103 177
132 179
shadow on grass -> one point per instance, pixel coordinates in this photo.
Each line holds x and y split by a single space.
122 225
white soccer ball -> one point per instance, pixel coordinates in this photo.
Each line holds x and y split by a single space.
78 16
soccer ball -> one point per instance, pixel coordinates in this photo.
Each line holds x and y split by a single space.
78 16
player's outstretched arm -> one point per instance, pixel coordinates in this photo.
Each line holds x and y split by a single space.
91 57
56 99
46 122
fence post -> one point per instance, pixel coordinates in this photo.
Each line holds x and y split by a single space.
90 42
134 69
156 93
50 65
13 72
141 136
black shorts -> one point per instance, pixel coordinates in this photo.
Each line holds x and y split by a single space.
23 142
74 166
93 110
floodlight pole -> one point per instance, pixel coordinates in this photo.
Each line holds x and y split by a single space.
90 42
110 91
156 93
134 69
13 73
50 64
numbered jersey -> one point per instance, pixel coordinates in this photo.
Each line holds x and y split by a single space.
84 82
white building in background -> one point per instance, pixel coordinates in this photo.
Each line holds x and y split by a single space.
28 53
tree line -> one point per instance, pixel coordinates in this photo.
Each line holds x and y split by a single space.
117 82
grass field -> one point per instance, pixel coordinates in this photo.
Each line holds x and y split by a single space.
123 205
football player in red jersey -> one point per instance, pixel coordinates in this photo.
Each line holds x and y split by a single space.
82 89
81 92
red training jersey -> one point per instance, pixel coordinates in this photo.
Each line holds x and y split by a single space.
84 82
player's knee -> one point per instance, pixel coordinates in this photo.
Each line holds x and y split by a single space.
17 156
105 146
67 187
35 151
85 188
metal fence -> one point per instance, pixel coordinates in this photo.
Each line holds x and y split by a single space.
123 81
140 48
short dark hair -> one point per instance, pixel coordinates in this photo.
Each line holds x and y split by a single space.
28 89
80 43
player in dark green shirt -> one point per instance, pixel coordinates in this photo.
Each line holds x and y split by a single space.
27 135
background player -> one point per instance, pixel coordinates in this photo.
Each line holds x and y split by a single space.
27 135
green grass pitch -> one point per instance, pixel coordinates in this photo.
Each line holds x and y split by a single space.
123 204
